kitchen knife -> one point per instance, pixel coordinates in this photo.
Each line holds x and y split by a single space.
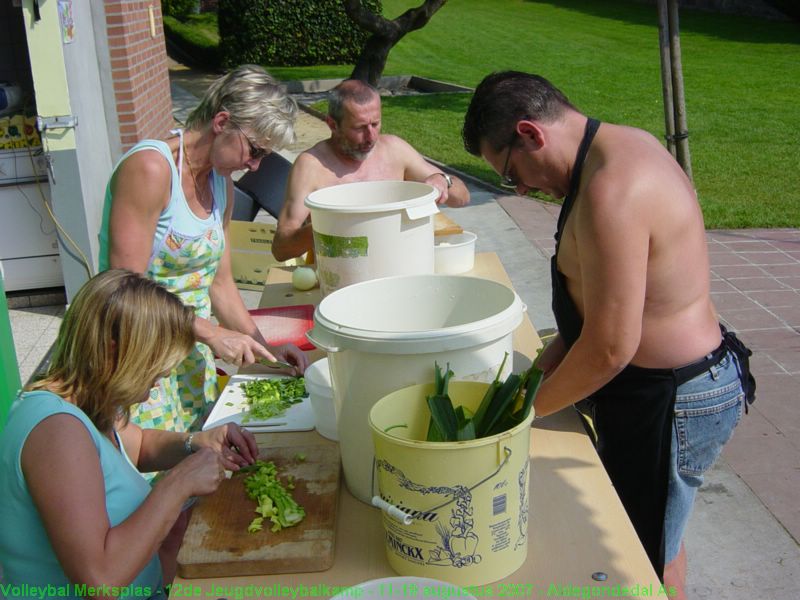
274 364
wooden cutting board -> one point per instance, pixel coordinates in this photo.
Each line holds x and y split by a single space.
217 542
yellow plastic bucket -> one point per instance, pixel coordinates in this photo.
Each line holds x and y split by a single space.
455 511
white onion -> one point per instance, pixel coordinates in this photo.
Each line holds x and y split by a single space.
304 278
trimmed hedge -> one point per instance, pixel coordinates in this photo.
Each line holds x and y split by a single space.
791 8
193 41
289 33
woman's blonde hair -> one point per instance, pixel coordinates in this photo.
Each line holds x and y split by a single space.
254 100
121 333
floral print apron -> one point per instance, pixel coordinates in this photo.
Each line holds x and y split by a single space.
185 265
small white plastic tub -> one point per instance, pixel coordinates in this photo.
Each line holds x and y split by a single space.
320 392
454 254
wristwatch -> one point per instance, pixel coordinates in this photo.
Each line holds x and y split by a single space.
187 444
447 178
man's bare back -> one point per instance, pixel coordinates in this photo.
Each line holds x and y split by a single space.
652 200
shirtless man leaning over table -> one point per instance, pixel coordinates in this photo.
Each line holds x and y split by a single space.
638 335
356 151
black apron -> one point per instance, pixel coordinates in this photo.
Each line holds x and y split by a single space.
632 414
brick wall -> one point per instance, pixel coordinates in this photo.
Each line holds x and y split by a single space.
139 70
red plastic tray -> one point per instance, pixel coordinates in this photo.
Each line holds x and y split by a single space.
285 324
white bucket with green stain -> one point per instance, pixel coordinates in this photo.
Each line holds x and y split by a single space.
372 229
456 511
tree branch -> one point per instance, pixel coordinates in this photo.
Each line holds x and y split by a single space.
367 20
385 34
411 20
417 18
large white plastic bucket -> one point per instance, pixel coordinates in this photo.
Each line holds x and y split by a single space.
386 334
372 229
462 506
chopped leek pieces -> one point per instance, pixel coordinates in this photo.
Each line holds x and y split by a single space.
504 406
269 398
274 501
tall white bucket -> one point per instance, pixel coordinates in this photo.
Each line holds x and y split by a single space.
385 334
372 229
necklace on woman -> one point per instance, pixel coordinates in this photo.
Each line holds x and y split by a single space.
197 190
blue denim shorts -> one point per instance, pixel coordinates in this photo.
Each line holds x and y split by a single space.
707 409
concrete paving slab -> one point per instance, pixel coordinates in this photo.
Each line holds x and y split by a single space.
736 549
789 269
788 314
732 301
778 491
777 402
748 319
737 271
769 256
722 257
792 283
757 284
765 365
765 454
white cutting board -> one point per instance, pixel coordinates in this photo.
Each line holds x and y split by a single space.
231 407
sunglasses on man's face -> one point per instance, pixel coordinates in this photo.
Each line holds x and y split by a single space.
256 151
506 179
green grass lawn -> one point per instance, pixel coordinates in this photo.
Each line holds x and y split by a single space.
742 78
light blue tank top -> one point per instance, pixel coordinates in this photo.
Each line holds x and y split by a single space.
177 215
26 556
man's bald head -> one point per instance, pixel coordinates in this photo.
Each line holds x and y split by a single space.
353 90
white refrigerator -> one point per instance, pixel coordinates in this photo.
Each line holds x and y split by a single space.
29 256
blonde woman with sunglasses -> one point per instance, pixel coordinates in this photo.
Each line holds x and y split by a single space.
167 209
76 512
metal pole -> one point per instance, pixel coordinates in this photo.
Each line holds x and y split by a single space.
666 75
681 131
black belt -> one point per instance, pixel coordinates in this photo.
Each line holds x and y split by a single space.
690 371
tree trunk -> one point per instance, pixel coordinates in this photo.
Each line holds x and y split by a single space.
679 104
385 34
666 76
677 134
370 64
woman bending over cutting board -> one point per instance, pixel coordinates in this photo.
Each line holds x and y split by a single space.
166 214
76 512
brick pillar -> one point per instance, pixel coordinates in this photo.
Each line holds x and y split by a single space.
138 69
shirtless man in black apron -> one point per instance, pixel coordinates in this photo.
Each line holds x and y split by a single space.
638 339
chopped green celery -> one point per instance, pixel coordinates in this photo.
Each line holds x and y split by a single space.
274 501
269 398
